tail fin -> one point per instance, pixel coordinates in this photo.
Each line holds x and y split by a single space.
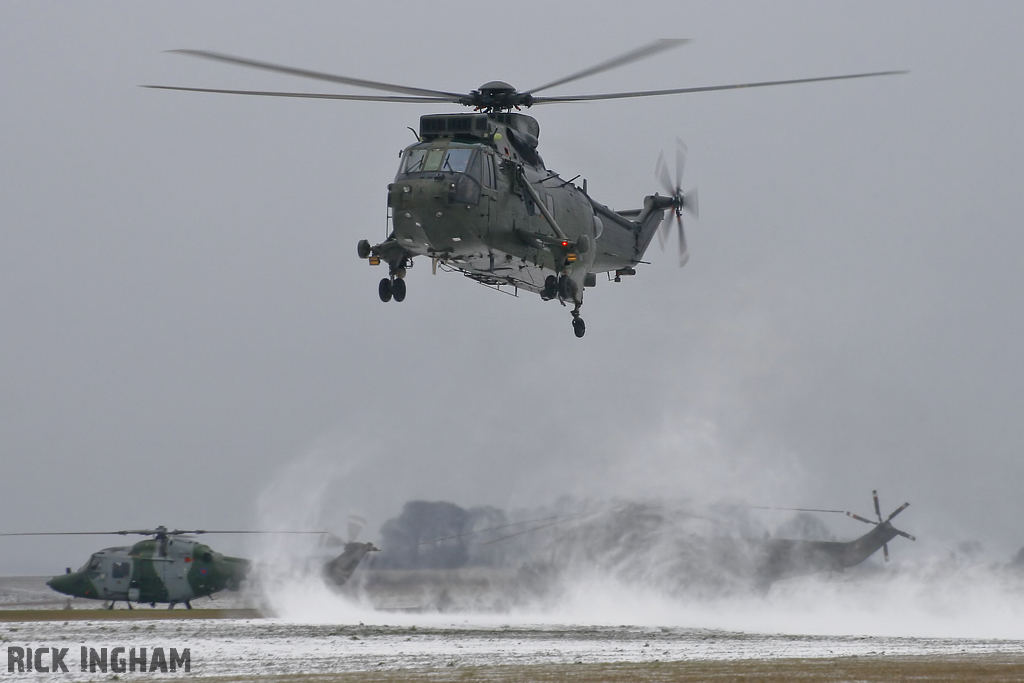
650 219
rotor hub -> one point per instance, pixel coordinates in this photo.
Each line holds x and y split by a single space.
498 96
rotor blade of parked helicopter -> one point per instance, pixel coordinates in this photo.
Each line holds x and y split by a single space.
904 534
878 510
178 532
152 532
633 55
80 533
885 551
307 95
708 88
317 75
900 509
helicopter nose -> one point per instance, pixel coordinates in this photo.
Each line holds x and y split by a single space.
62 583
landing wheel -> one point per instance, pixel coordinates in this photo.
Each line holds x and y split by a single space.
578 326
550 290
398 289
567 288
364 249
384 290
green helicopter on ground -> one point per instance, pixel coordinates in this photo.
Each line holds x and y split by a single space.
173 568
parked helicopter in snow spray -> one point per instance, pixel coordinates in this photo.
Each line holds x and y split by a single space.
173 568
474 195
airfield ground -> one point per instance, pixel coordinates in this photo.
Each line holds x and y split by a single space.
229 650
989 669
233 643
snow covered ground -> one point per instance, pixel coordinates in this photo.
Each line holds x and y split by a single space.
253 648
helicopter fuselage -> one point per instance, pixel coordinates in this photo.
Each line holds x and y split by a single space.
177 569
170 570
474 196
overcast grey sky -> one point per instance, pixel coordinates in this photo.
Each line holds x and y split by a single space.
185 323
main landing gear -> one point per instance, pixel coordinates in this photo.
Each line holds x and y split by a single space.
391 288
564 288
578 326
398 260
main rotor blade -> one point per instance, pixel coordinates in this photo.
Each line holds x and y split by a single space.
709 88
634 55
152 532
77 533
316 75
527 531
878 510
885 550
904 534
309 95
765 507
178 532
493 528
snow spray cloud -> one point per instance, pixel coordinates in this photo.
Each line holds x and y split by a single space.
680 565
290 567
636 565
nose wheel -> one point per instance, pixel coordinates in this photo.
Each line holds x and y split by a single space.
398 289
391 288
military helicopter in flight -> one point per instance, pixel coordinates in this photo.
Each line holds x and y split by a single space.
474 196
173 568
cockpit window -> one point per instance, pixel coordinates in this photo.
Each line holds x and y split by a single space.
457 159
454 159
433 159
92 565
414 160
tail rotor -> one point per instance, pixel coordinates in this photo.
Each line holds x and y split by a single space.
680 200
878 512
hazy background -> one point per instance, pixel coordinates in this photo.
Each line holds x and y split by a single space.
184 323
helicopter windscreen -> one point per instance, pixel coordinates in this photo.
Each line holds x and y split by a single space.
92 565
454 159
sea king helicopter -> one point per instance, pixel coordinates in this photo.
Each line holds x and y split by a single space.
783 558
474 195
761 560
173 568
